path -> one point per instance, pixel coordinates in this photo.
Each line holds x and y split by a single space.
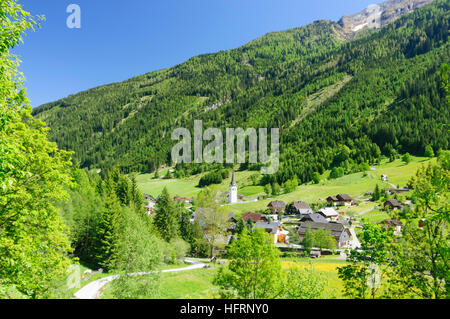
91 290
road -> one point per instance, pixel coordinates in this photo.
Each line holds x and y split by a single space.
91 290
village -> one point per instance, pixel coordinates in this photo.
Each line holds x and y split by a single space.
288 223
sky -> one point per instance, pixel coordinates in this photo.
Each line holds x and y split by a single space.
120 39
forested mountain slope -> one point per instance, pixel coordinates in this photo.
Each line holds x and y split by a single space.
337 102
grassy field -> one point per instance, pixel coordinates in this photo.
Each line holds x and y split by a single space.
326 266
355 185
197 284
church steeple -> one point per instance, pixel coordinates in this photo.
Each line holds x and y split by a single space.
233 180
232 195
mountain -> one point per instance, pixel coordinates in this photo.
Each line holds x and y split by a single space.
380 15
338 102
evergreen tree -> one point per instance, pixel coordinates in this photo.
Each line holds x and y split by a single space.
166 217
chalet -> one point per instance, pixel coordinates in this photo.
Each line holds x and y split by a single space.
315 254
332 200
280 236
277 206
254 217
384 178
393 204
299 208
338 231
345 200
329 214
341 200
392 223
317 218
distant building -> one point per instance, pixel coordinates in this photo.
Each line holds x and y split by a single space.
317 218
339 232
232 195
280 236
255 217
277 206
341 200
329 213
393 204
384 178
392 223
299 208
185 200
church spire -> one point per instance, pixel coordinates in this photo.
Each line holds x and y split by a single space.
233 180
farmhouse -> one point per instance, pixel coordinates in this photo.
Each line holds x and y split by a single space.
329 214
279 235
338 231
277 206
341 200
299 208
393 204
254 217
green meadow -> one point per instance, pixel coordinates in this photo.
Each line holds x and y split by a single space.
355 185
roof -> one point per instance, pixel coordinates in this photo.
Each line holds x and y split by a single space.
300 205
391 222
271 228
328 212
344 197
335 228
393 202
314 218
398 190
255 217
277 204
332 198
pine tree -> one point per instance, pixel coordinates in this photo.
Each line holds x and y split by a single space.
166 219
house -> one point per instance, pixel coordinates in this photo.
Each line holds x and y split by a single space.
315 254
393 204
277 206
392 223
317 218
280 236
339 232
345 200
255 217
332 200
329 213
341 200
186 201
393 191
299 208
384 178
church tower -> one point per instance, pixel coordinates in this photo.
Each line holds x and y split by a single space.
232 196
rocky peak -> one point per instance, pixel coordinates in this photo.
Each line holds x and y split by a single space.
380 15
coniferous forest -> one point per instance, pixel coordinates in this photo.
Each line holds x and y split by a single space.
338 103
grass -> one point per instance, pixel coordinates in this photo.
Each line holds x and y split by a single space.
326 266
197 283
355 185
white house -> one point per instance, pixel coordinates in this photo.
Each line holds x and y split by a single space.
279 235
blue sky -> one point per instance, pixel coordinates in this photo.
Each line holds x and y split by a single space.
120 39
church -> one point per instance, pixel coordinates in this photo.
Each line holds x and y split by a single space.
232 195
